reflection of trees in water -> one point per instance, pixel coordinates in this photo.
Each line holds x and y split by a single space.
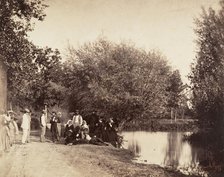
173 149
194 155
134 147
206 157
210 150
210 158
175 157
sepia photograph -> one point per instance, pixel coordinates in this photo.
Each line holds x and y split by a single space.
111 88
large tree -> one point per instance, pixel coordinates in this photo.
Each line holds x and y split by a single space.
36 83
208 68
15 22
31 69
208 84
117 80
178 96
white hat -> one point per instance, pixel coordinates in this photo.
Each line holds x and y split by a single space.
26 110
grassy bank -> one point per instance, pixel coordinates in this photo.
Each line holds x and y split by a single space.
116 162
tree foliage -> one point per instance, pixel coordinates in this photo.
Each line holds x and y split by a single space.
208 68
15 22
31 69
174 88
36 83
117 80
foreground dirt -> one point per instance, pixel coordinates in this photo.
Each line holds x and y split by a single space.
37 159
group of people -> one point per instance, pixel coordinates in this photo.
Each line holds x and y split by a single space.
8 130
92 129
55 120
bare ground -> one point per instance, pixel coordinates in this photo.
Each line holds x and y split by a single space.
38 159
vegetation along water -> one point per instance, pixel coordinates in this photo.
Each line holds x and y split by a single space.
139 89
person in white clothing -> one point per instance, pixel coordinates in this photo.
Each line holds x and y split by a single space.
84 129
26 126
77 122
43 124
77 119
59 114
13 127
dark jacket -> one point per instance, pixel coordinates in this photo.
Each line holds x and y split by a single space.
69 131
54 120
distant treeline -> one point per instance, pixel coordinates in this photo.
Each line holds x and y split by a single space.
167 125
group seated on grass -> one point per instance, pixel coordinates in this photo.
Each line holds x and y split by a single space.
102 133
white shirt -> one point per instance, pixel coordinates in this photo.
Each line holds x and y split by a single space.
88 137
77 120
26 121
43 119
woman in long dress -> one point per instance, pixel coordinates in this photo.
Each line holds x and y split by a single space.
13 127
4 134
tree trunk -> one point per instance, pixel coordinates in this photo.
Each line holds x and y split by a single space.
3 86
175 114
171 114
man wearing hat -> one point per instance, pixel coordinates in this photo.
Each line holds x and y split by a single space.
54 129
77 121
26 126
43 124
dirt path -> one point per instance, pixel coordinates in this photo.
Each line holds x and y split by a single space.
47 159
36 160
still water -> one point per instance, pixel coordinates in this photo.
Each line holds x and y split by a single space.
167 149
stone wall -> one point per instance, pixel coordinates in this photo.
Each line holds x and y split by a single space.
3 86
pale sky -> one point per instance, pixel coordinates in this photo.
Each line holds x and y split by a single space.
164 25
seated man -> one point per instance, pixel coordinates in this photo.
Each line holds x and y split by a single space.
84 129
69 133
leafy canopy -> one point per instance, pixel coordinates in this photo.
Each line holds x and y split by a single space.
117 80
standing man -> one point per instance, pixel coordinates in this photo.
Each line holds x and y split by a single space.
43 124
26 126
77 121
94 119
54 128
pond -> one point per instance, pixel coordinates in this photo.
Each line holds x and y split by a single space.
166 149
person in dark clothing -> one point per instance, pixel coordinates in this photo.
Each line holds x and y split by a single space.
100 129
111 133
93 120
97 141
115 123
69 133
54 129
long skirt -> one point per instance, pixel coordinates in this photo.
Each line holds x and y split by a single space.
4 139
59 129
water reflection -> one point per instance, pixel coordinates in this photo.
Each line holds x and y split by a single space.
162 148
134 147
173 149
